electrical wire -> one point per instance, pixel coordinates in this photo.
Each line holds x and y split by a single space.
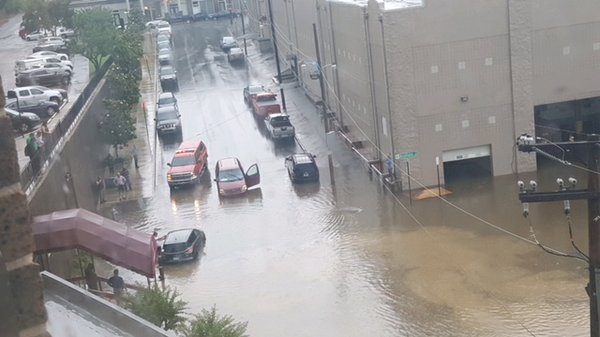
569 222
549 250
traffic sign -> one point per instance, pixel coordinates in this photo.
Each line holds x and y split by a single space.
406 155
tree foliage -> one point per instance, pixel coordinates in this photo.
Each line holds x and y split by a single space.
123 85
117 127
96 35
161 307
40 14
209 324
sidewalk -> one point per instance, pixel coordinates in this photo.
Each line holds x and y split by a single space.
142 178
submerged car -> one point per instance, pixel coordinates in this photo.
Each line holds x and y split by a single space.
168 79
302 167
231 179
182 245
167 99
168 121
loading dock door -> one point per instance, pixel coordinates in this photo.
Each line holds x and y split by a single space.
467 163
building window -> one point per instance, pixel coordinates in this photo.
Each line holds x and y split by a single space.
434 69
438 128
489 61
465 123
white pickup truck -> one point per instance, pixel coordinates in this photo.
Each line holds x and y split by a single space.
279 126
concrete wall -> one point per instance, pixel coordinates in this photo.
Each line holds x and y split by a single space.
100 308
87 153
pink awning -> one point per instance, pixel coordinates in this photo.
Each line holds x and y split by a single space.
79 228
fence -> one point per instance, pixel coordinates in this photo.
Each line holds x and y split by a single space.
32 170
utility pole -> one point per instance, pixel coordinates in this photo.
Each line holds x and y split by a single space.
243 29
323 104
591 194
276 55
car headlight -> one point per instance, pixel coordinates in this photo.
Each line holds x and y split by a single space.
169 177
244 188
221 191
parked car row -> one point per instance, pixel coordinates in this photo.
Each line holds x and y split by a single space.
235 54
28 107
44 67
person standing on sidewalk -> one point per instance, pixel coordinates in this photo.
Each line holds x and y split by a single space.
134 154
101 188
32 151
120 182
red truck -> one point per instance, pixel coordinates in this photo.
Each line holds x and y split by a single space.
265 103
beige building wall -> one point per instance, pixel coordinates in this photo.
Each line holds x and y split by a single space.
461 73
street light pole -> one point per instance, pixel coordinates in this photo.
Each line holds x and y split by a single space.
324 105
276 55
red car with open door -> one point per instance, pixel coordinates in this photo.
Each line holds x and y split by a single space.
231 178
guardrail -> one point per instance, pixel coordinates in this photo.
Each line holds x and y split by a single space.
32 170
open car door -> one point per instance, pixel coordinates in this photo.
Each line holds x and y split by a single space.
252 176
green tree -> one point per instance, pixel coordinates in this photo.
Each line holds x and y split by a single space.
123 85
117 127
59 13
96 35
163 307
210 324
35 15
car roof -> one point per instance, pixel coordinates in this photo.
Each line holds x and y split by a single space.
190 145
166 108
228 38
303 158
228 163
178 236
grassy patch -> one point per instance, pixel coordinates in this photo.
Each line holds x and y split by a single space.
93 69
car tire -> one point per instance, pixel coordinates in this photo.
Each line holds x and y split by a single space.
51 111
24 127
66 80
196 255
28 38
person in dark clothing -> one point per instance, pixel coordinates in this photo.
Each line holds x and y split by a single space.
116 282
101 188
125 173
110 162
91 278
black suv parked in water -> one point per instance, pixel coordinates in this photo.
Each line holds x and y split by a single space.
302 167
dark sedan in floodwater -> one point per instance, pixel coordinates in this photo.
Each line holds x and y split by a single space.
182 245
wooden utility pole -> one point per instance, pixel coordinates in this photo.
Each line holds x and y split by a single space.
591 194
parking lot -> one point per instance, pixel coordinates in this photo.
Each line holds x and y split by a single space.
13 48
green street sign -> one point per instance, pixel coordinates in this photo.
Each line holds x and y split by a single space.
406 155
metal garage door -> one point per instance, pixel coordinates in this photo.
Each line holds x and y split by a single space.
467 153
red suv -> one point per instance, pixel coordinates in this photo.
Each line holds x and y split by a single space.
188 163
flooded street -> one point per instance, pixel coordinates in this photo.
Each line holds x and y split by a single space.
312 260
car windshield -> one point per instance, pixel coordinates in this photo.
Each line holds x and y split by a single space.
175 247
168 100
266 98
230 175
166 71
280 121
183 161
165 116
305 168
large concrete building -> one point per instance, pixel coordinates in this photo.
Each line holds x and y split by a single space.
452 82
